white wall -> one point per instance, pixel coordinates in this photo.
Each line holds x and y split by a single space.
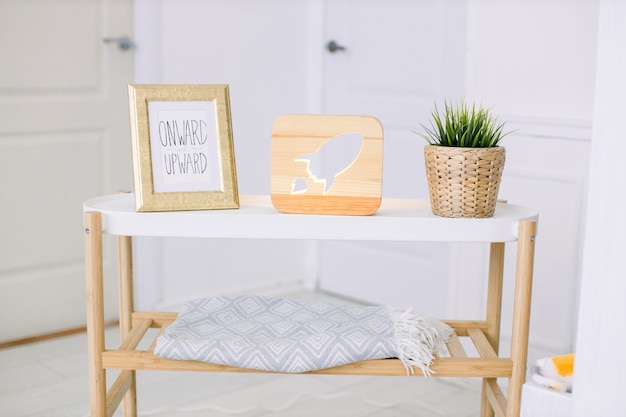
261 49
534 61
598 381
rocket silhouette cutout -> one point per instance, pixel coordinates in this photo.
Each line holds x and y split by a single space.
330 160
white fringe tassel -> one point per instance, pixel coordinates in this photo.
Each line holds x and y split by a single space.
418 338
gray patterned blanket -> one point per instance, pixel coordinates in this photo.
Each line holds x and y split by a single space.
295 335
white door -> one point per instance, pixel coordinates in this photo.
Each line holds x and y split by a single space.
393 61
64 137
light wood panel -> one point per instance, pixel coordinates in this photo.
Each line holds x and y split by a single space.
303 149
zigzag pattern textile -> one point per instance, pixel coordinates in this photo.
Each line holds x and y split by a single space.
293 335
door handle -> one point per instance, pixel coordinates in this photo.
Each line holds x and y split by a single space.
124 42
333 47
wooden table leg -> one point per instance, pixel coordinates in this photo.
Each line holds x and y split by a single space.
127 306
493 314
95 313
521 313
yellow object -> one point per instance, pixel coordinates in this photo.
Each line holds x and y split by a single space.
556 372
563 365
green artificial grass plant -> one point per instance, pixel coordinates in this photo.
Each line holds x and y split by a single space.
463 126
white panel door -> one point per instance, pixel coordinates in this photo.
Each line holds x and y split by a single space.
399 57
64 137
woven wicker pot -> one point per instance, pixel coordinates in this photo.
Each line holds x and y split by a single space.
463 182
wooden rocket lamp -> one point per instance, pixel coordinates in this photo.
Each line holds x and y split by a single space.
327 164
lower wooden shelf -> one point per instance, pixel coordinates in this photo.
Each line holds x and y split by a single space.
455 363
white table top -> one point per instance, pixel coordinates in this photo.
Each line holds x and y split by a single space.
396 220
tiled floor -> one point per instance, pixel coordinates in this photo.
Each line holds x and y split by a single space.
49 379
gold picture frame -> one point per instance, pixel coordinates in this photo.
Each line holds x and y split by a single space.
182 147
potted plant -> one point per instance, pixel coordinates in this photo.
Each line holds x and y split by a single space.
464 160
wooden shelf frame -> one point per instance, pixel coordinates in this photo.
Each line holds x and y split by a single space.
134 325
